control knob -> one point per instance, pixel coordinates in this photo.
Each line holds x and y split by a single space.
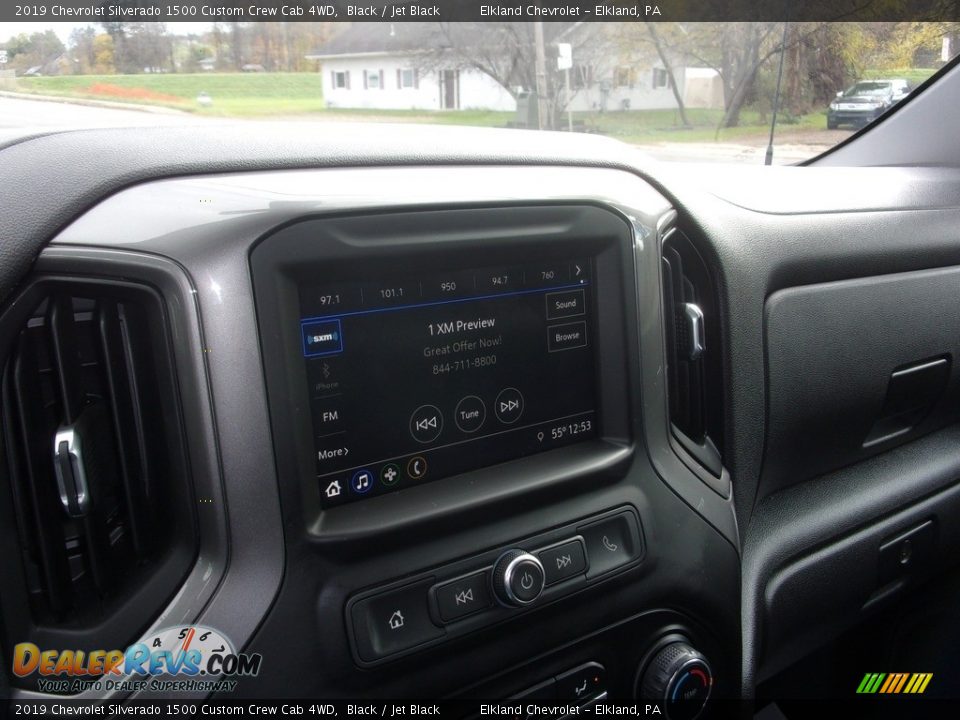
518 578
679 679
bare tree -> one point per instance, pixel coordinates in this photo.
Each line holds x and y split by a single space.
506 51
668 68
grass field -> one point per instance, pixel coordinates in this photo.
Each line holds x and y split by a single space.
295 94
914 76
664 125
237 94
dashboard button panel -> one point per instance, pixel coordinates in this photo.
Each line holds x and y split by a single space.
458 598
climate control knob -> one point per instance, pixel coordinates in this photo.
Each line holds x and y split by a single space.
679 679
518 578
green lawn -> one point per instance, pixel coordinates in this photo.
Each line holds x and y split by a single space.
233 94
648 126
914 76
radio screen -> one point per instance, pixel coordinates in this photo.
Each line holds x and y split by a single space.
415 378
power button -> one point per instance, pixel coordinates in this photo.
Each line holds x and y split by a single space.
518 578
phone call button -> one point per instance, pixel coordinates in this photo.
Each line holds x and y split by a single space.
611 542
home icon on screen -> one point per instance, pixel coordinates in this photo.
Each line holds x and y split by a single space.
333 489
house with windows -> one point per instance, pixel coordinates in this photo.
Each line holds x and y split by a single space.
410 66
396 67
639 83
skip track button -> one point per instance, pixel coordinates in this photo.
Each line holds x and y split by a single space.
563 561
463 596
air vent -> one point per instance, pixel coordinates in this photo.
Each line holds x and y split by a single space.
694 368
94 480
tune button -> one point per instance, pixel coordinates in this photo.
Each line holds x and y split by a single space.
470 414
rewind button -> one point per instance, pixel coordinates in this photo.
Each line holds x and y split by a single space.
463 596
426 423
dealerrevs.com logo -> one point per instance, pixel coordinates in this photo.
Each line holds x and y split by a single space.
176 659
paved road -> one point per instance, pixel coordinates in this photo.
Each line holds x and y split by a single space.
17 114
46 115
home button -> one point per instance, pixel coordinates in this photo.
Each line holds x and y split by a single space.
393 621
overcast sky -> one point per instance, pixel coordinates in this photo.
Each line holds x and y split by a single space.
63 29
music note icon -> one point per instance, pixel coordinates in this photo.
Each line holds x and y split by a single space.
362 481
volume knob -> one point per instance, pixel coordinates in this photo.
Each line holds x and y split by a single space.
518 578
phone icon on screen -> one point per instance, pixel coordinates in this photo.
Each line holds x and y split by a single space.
612 547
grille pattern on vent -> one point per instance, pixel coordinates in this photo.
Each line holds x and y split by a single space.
92 359
694 376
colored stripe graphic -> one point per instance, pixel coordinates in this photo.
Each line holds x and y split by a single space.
890 680
871 683
901 683
894 683
913 681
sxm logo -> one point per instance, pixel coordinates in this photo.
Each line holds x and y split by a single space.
894 683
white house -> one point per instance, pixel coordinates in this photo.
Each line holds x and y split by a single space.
612 72
383 66
403 66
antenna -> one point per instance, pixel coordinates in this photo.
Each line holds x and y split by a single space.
776 96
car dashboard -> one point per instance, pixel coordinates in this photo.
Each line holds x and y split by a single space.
478 415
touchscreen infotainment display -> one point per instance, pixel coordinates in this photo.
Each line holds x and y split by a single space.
415 377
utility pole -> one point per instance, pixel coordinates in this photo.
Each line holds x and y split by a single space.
541 68
565 62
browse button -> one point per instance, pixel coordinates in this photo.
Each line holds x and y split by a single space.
567 336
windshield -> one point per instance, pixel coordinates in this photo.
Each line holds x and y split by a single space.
706 91
867 88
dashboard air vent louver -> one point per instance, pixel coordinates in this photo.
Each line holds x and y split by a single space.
94 482
694 369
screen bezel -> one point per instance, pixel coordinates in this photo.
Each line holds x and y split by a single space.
308 249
